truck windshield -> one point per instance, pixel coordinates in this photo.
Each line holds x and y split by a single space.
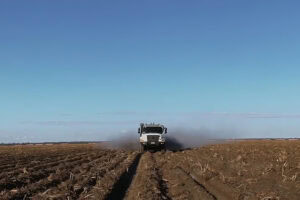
153 130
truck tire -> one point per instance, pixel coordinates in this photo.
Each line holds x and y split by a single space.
142 148
163 148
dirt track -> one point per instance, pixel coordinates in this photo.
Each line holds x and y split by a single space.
239 170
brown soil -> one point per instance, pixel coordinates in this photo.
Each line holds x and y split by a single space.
261 169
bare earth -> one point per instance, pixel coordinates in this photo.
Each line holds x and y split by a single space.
258 169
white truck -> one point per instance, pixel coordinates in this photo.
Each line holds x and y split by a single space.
152 136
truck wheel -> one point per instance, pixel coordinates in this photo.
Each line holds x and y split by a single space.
142 148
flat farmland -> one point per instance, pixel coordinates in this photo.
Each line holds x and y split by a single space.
242 170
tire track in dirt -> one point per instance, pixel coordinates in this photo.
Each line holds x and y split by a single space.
114 183
191 177
204 175
121 186
148 182
103 176
181 185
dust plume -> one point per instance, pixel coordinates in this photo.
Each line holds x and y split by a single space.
125 141
180 138
176 138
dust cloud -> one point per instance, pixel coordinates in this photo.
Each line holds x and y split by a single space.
176 139
181 138
126 141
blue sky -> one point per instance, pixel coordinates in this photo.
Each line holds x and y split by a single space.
74 70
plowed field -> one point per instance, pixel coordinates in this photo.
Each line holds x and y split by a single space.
263 169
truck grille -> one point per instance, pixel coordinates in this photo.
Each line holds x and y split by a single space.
152 139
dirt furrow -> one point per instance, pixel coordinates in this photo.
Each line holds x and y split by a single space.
114 183
50 180
82 179
180 184
147 183
36 174
35 164
205 176
205 192
33 168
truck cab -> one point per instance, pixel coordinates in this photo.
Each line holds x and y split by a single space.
152 136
